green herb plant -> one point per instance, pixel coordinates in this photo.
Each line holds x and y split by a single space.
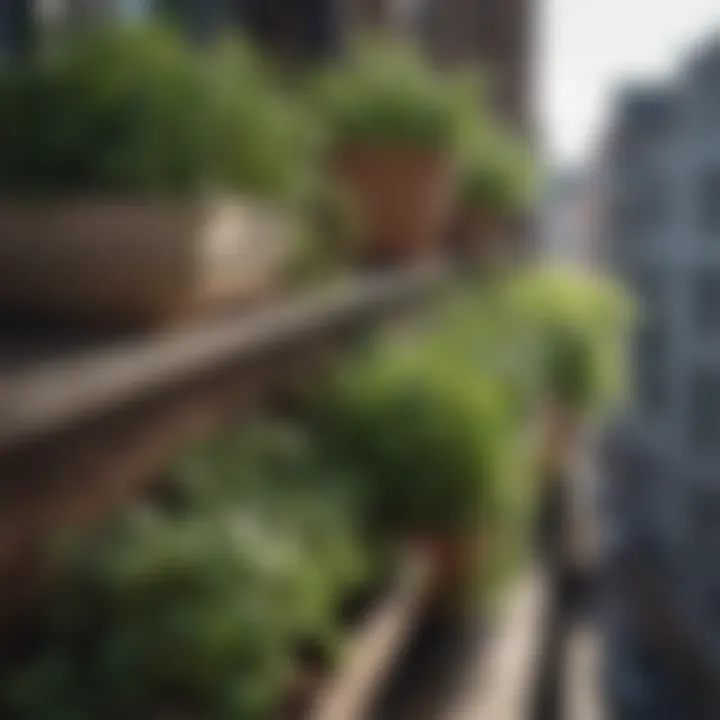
197 607
385 94
578 323
137 110
425 435
496 171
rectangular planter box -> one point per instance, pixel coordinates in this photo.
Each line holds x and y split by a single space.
134 262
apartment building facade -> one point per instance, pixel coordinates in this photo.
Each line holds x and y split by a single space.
661 189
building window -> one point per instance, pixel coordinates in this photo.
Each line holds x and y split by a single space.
15 27
651 387
703 89
704 420
708 202
136 8
408 15
641 213
647 285
705 534
706 300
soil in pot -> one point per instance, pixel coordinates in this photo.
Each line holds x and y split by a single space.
403 198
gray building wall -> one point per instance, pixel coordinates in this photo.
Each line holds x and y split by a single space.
663 237
661 179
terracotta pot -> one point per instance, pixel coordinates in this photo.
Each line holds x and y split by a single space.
403 197
131 262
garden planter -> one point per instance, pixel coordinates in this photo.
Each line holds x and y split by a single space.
403 197
120 261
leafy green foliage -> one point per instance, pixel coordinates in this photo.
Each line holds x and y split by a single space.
385 94
578 323
198 608
496 171
426 435
331 231
137 110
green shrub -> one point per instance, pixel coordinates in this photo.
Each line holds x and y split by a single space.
198 608
579 324
331 235
265 140
137 110
385 94
496 172
278 471
426 435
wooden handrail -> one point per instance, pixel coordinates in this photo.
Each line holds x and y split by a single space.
50 395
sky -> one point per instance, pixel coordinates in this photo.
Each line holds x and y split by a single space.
587 47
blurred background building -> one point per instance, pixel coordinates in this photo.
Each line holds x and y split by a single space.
661 180
663 221
569 218
496 33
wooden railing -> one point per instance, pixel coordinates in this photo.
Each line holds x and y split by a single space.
82 434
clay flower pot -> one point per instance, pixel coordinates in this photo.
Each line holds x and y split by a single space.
131 262
403 197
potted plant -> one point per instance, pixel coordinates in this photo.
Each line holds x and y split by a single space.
142 179
495 186
392 124
579 322
221 603
427 437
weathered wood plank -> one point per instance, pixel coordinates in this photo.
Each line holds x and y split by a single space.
377 646
47 396
502 685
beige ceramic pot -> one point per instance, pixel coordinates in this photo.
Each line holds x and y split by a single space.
119 261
